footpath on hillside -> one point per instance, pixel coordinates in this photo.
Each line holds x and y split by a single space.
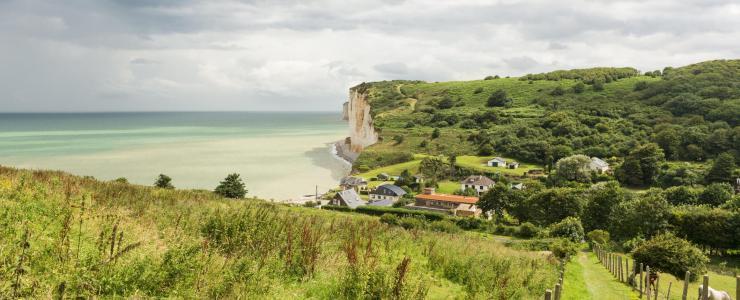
585 278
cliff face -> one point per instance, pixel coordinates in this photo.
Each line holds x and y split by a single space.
361 130
345 111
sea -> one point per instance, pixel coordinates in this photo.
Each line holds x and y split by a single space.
279 155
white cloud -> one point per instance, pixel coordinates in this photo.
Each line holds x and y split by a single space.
303 55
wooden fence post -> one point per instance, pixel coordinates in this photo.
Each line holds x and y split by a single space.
627 267
557 291
647 282
668 294
621 278
548 294
705 290
641 281
686 285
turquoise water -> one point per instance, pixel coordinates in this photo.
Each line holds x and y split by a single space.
280 155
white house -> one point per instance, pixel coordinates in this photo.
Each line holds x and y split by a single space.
497 162
598 165
479 183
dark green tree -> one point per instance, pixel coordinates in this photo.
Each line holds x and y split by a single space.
642 165
716 194
670 254
552 205
498 98
557 91
645 216
435 133
231 187
164 182
722 169
579 88
602 198
681 195
498 199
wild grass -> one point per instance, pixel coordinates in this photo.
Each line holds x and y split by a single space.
67 237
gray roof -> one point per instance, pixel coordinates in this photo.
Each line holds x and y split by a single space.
478 180
389 189
499 159
598 163
385 202
351 198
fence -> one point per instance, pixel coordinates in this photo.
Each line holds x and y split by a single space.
557 293
641 278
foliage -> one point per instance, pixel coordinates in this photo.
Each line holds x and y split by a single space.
569 228
498 98
712 227
164 182
670 254
231 187
641 166
722 169
499 199
574 168
598 236
444 226
645 215
528 230
680 195
716 194
552 205
564 249
603 198
433 168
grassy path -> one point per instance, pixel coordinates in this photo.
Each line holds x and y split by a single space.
585 278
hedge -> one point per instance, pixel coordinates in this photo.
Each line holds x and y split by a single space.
380 210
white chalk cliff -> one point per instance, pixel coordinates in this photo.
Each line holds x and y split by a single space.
361 130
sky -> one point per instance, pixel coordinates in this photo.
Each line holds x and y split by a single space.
292 55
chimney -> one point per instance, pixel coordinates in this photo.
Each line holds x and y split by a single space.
428 191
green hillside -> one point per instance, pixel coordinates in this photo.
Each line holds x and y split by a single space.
692 112
73 237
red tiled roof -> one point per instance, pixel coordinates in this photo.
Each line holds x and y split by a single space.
448 198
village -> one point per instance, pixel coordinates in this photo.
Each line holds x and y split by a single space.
417 193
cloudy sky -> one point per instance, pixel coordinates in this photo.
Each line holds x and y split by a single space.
132 55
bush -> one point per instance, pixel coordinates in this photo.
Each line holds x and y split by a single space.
563 248
557 91
411 223
713 227
528 230
598 236
670 254
400 212
444 226
389 219
469 223
633 243
569 228
579 88
498 98
716 194
164 182
231 187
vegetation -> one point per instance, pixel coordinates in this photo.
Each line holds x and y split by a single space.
670 254
231 187
162 182
76 237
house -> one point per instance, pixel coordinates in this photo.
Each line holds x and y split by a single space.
384 176
418 178
386 203
598 165
479 183
387 192
512 165
455 205
355 183
497 162
517 186
348 197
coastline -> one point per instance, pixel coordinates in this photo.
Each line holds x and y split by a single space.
342 151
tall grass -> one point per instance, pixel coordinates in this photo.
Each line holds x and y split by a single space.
63 236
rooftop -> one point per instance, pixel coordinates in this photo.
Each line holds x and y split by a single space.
448 198
478 180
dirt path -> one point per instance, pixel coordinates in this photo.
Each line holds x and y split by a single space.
587 279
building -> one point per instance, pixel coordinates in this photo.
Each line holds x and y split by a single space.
455 205
517 186
497 162
348 197
512 165
386 203
418 178
479 183
598 165
386 177
355 183
387 192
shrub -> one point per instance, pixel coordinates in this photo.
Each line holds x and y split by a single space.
633 243
641 85
469 223
569 228
411 223
435 133
310 204
716 194
598 236
670 254
498 98
400 212
557 91
478 90
231 187
713 227
563 248
164 182
528 230
389 219
579 88
444 226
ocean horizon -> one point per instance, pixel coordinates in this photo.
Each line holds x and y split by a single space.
280 155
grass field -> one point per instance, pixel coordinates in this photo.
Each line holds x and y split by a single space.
79 237
586 278
479 163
